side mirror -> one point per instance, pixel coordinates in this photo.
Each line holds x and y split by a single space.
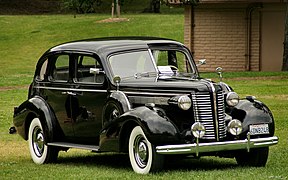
201 62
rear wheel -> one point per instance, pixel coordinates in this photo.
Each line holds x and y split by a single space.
39 151
256 157
142 153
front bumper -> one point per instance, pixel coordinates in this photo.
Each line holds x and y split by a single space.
197 148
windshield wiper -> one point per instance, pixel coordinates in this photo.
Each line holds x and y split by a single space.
145 74
180 75
140 75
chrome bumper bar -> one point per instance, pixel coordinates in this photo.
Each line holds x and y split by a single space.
217 146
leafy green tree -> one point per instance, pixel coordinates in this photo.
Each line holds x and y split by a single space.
88 6
82 6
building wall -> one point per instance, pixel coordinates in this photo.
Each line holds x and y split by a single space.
219 33
272 38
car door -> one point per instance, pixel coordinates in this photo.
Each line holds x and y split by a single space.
89 99
57 92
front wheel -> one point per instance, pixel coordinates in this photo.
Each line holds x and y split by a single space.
256 157
142 153
39 151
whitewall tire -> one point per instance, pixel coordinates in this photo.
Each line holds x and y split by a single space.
142 154
39 151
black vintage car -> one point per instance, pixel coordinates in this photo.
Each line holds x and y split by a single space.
141 96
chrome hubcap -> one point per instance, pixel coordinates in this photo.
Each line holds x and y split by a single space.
115 113
141 151
38 141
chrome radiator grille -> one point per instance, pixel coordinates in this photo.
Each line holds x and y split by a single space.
212 119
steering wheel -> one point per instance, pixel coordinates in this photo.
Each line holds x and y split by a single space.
174 68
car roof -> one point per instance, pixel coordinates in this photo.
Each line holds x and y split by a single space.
111 44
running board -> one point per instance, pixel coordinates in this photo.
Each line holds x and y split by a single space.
72 145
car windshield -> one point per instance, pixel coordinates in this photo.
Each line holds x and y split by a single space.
132 64
162 63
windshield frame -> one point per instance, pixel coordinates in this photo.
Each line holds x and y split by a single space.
194 71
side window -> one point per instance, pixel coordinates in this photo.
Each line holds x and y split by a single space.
42 73
60 70
89 70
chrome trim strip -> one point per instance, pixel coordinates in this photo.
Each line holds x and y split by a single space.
126 99
195 106
152 93
70 89
148 99
154 63
215 111
216 115
72 145
224 84
217 146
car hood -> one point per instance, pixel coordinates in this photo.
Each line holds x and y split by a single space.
173 84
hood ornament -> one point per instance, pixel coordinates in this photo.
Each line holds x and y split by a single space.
219 72
201 62
117 80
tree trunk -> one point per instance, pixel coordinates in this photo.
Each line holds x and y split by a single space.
115 8
154 6
285 54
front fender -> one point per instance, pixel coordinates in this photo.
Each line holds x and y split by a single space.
254 112
158 128
34 107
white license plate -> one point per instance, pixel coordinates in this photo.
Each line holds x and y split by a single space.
259 129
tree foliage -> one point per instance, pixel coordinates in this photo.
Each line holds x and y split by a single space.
82 6
90 6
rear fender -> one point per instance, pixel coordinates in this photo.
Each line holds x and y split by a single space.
35 107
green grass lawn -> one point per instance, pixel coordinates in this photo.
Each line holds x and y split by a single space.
23 39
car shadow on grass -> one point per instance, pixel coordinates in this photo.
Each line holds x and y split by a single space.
199 164
122 162
112 160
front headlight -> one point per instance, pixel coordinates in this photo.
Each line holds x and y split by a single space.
235 127
198 130
184 102
232 99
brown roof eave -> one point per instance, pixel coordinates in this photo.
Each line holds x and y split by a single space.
241 1
183 2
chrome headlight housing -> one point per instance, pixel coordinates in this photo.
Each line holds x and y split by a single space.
232 99
184 102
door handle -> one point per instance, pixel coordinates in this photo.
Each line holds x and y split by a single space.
69 93
72 93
